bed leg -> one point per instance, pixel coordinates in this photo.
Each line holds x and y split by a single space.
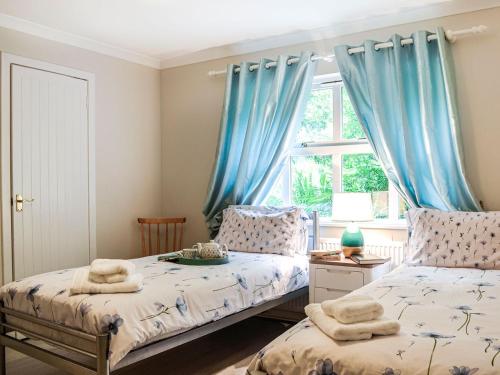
102 355
3 369
3 359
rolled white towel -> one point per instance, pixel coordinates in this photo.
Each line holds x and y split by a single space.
350 332
353 309
110 270
82 285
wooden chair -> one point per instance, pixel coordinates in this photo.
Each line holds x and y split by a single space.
174 227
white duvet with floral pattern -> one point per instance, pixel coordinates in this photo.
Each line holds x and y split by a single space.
450 324
175 297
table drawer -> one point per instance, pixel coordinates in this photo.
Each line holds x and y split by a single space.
323 294
340 279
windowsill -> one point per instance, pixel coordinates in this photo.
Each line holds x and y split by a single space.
375 224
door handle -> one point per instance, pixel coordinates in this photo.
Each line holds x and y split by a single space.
20 201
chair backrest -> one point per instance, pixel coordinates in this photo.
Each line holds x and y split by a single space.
167 227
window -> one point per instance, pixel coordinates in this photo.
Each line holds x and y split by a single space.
332 155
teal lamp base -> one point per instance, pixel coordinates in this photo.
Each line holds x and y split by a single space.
352 241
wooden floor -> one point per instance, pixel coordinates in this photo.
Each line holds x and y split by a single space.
227 352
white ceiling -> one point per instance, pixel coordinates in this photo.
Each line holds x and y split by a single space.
173 32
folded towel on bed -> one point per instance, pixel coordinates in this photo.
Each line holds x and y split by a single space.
82 285
350 332
353 309
110 270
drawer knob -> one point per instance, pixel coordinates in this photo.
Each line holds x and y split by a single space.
334 290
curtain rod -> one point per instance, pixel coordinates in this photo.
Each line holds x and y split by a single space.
451 35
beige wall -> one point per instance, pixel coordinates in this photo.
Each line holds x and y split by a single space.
191 104
128 146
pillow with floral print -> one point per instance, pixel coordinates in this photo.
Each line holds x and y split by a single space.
454 239
264 230
303 238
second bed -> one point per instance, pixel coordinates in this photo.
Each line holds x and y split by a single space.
450 324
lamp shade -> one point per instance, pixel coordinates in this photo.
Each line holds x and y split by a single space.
352 207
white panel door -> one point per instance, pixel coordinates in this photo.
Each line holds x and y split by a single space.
50 170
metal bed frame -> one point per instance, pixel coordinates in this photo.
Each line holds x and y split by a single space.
81 353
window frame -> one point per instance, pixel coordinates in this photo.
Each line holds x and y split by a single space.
336 149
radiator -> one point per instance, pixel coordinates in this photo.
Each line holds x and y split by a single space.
394 249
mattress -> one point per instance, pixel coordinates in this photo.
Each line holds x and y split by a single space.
450 324
175 298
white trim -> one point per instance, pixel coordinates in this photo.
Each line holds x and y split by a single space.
333 149
5 154
92 167
5 197
393 201
251 46
320 80
434 11
32 28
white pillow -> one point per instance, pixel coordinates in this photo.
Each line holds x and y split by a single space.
454 239
264 230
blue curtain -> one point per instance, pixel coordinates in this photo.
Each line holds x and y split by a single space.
261 113
405 99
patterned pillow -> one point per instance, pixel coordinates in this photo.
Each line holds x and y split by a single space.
454 239
263 230
303 239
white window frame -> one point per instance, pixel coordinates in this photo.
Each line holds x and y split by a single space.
336 148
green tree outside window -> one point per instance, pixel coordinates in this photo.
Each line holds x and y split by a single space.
311 176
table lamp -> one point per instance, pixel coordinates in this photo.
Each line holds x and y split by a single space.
353 208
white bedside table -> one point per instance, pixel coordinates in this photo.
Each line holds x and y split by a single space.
334 279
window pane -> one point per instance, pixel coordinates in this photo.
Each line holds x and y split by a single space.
403 207
312 183
361 173
380 201
275 197
317 124
351 128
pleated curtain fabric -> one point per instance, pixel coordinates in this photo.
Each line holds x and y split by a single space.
262 112
405 98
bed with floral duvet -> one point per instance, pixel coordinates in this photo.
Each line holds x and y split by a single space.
174 299
450 324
